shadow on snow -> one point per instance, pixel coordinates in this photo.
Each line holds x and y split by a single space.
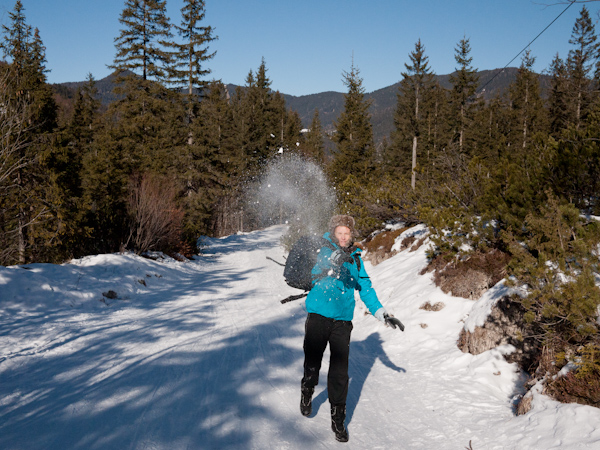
127 384
169 376
363 355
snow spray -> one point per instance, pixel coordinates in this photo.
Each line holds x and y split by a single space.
294 190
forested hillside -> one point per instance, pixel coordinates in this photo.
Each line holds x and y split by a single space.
492 83
507 180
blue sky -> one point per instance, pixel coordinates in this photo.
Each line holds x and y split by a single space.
308 44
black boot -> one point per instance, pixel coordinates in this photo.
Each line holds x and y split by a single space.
338 417
306 401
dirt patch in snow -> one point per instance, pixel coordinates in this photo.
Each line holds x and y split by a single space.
470 277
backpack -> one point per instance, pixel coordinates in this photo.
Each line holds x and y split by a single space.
301 260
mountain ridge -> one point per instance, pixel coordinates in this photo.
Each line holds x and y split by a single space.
330 104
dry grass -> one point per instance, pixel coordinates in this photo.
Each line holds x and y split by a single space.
471 277
574 388
438 306
407 242
379 248
524 405
418 244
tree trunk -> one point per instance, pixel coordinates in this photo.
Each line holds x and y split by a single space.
526 109
414 163
413 176
462 127
21 237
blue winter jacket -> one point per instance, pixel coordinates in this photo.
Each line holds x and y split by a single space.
332 294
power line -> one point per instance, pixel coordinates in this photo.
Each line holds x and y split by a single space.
527 46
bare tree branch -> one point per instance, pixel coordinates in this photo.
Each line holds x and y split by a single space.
156 219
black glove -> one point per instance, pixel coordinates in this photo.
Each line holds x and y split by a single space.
339 257
392 321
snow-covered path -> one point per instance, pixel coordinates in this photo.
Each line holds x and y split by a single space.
201 355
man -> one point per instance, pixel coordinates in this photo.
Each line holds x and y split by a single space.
330 304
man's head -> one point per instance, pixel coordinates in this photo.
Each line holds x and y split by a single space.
341 228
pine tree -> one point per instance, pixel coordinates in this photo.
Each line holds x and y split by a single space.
491 130
257 115
291 129
412 110
187 69
354 133
580 64
314 146
553 259
141 43
560 106
147 119
527 104
576 167
464 85
16 45
209 167
85 112
188 59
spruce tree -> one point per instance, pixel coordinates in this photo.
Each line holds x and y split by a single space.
576 167
292 136
527 104
438 130
16 44
560 106
313 145
141 44
187 68
149 116
257 116
140 134
209 167
575 170
491 130
85 112
412 111
106 170
521 156
288 123
354 133
188 59
580 64
464 86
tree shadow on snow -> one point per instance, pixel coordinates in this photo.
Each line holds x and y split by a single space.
213 392
173 379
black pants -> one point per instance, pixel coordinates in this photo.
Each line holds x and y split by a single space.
321 331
